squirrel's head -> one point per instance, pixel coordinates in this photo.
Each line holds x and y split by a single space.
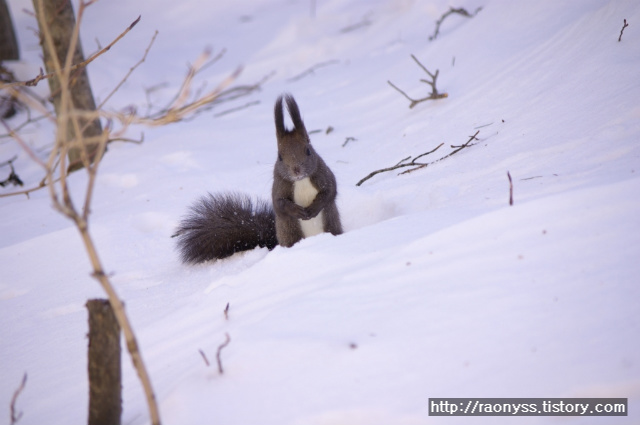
296 157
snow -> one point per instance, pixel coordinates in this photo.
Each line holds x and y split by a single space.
438 288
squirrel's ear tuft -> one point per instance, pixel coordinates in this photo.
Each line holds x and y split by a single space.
279 118
294 112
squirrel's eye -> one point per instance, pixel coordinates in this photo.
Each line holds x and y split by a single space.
279 157
308 152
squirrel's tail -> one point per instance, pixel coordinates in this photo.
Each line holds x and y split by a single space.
220 225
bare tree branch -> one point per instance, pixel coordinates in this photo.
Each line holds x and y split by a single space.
457 149
400 164
460 11
15 415
42 75
434 90
419 165
133 68
312 70
622 30
510 188
218 359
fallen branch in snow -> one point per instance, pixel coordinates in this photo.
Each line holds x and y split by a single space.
418 165
451 11
457 149
365 22
204 357
434 90
510 189
218 359
312 69
400 164
347 140
15 415
226 312
622 30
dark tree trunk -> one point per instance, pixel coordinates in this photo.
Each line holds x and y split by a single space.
105 390
59 17
8 41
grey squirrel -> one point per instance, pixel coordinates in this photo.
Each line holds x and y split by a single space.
303 203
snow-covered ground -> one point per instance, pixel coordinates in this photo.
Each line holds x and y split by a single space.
438 288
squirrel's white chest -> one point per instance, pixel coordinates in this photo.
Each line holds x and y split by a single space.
303 194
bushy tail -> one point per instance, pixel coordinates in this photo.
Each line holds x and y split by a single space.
220 225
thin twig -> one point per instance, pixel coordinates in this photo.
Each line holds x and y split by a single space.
9 162
239 108
364 23
15 416
204 357
400 164
510 188
458 149
622 30
451 11
23 145
63 202
226 312
77 66
434 95
418 165
312 69
133 68
224 344
347 140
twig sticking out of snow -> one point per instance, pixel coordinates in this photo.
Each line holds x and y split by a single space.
224 344
510 189
434 91
204 357
622 30
15 416
451 11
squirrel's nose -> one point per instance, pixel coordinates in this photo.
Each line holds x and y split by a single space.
296 170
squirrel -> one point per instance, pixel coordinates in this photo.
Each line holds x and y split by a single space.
303 202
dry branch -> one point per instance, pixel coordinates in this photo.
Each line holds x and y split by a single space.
42 76
434 90
204 357
510 188
419 165
218 359
400 164
460 11
13 177
457 149
15 415
622 30
61 197
312 70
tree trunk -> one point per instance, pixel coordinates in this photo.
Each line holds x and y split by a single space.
59 17
8 42
105 388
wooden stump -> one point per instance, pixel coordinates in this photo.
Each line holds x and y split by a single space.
105 389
